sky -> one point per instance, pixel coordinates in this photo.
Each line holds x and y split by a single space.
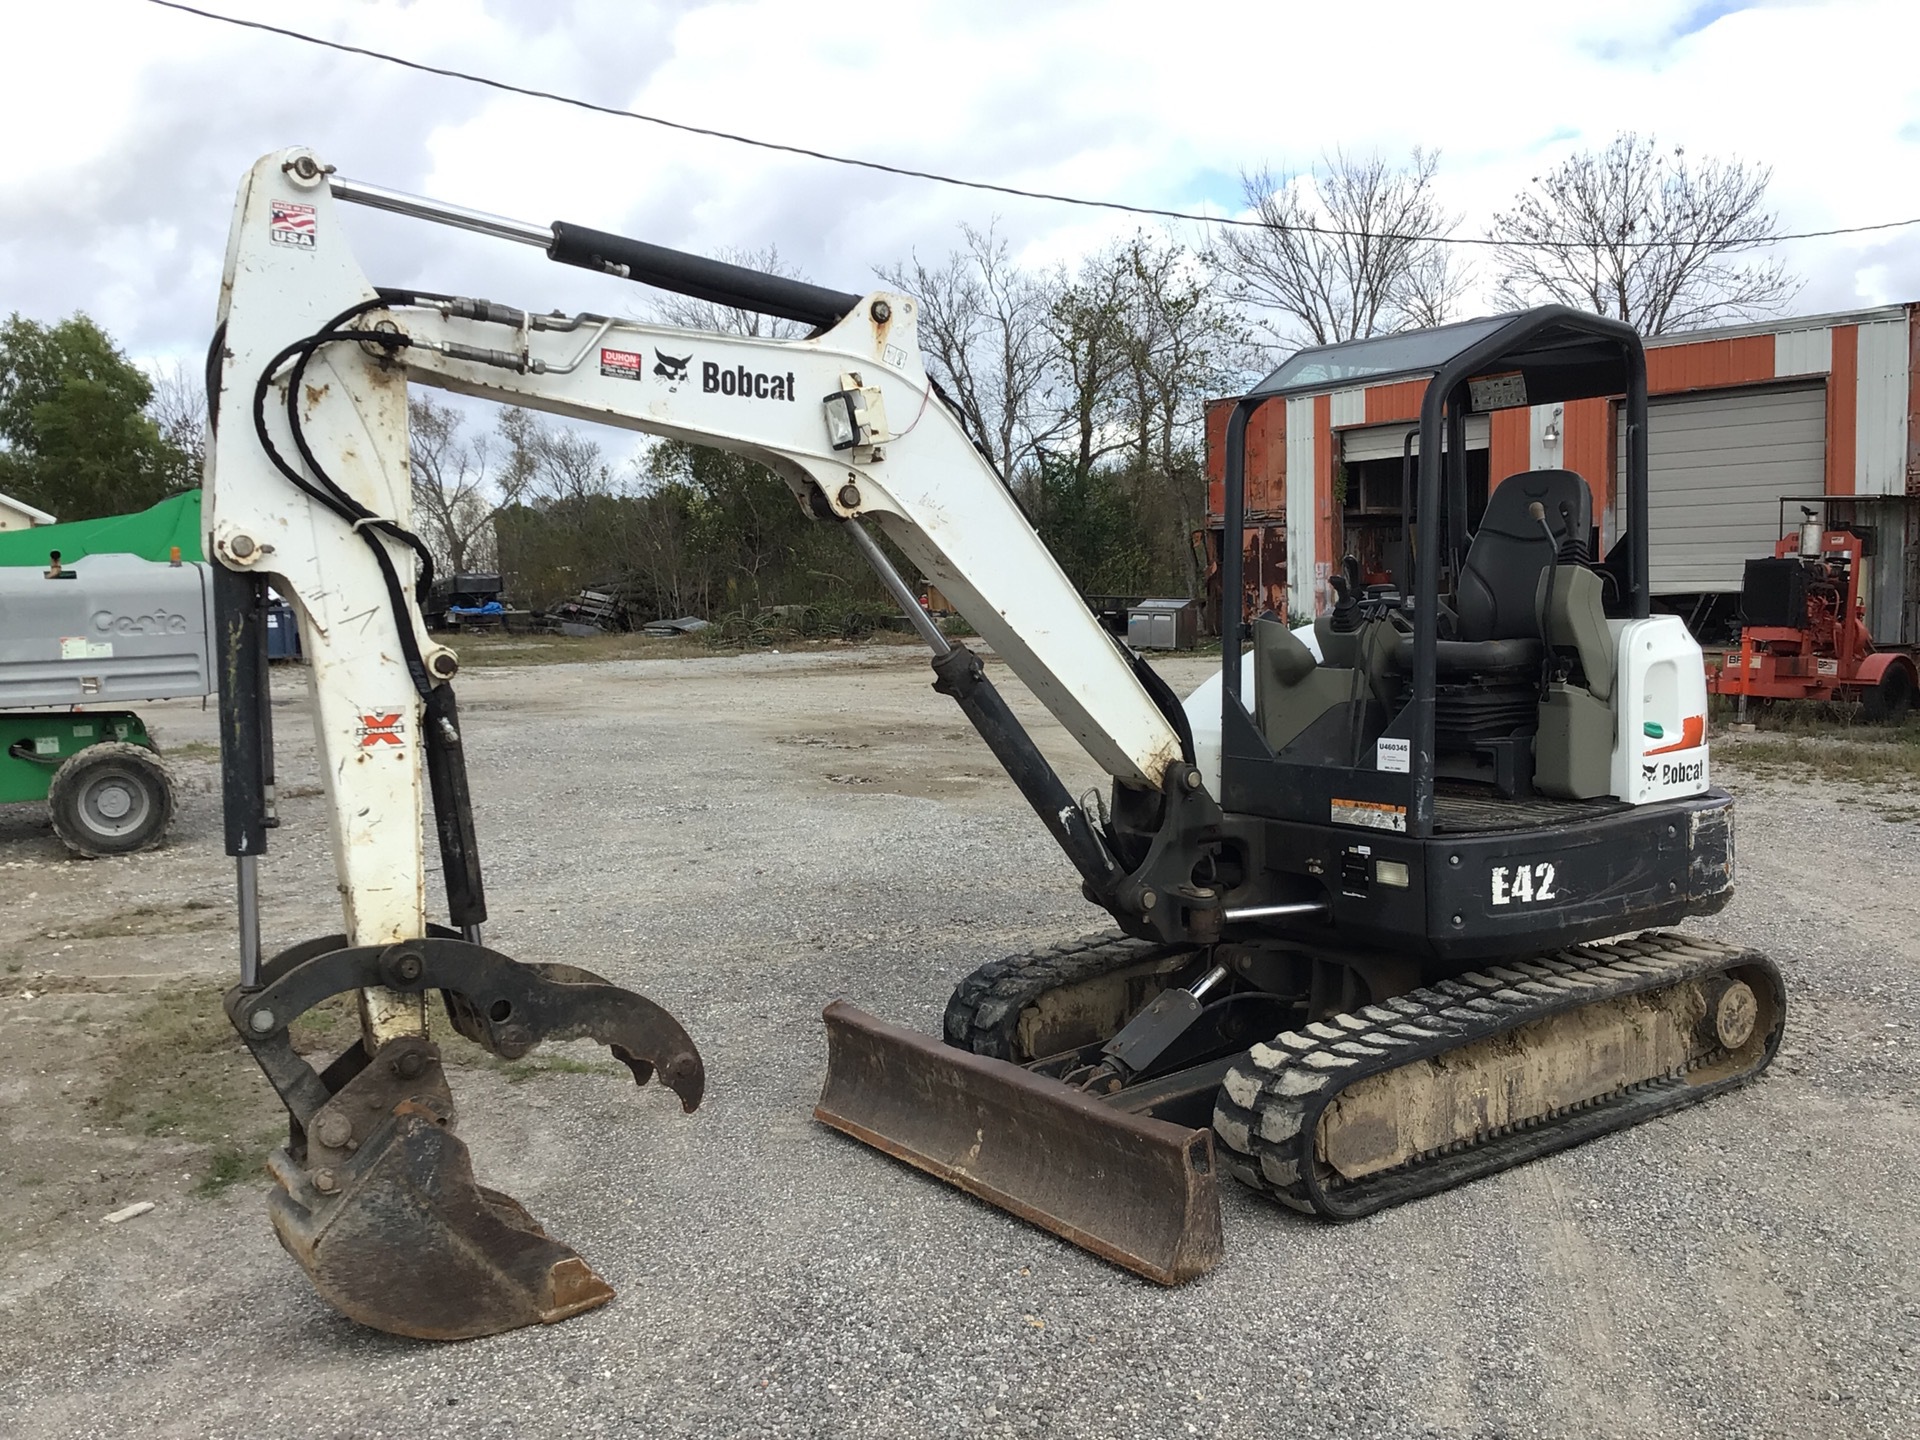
129 126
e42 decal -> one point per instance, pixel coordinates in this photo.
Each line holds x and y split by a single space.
1523 884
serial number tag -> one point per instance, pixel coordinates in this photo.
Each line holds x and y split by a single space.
1523 884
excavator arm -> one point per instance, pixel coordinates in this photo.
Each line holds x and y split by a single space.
309 491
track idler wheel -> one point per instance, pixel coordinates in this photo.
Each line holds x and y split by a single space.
377 1200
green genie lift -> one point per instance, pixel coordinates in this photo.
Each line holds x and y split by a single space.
95 616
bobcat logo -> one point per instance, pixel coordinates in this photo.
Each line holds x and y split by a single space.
1647 773
669 368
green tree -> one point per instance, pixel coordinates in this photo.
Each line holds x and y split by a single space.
75 436
742 524
1091 525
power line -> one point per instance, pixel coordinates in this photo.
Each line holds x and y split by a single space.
935 177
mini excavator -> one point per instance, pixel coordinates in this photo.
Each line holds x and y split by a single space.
1390 895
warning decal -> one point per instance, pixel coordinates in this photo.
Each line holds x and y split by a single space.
292 224
621 364
380 730
1370 814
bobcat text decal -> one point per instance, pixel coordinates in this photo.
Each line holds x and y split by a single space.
750 384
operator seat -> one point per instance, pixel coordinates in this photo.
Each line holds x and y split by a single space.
1497 600
1489 672
1497 597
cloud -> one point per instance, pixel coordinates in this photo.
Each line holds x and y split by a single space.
119 205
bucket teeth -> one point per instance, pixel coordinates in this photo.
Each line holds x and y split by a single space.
405 1241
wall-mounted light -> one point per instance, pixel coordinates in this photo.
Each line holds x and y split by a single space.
1551 435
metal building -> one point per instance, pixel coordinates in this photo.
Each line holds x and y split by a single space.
1741 417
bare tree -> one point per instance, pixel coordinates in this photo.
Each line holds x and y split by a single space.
984 329
458 486
1435 285
567 466
1345 251
691 314
179 409
1644 235
1181 335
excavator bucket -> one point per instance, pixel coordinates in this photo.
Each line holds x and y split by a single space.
1136 1191
376 1198
408 1243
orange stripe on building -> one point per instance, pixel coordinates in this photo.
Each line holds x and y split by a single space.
1512 444
1266 478
1705 364
1586 447
1843 401
1217 412
1387 403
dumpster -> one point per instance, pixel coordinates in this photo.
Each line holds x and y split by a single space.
283 632
1166 624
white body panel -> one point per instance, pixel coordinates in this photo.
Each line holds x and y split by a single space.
930 493
1204 712
114 631
356 416
1659 681
1303 588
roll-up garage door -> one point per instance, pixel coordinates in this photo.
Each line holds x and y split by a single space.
1385 442
1717 466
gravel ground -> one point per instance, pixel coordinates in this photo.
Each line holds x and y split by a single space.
746 839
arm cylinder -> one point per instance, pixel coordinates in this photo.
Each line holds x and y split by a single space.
698 276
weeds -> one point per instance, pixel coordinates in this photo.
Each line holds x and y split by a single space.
228 1165
177 1068
784 624
489 650
177 1072
1893 760
1809 717
518 1072
178 919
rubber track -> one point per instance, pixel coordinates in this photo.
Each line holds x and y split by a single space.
1268 1111
983 1014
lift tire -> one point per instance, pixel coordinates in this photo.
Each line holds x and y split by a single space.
111 799
1025 1007
1888 702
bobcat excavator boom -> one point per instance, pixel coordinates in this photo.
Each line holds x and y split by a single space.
1363 987
309 489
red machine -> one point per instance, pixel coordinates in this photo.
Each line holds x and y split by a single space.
1805 635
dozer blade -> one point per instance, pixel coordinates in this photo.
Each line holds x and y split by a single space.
408 1243
1133 1190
